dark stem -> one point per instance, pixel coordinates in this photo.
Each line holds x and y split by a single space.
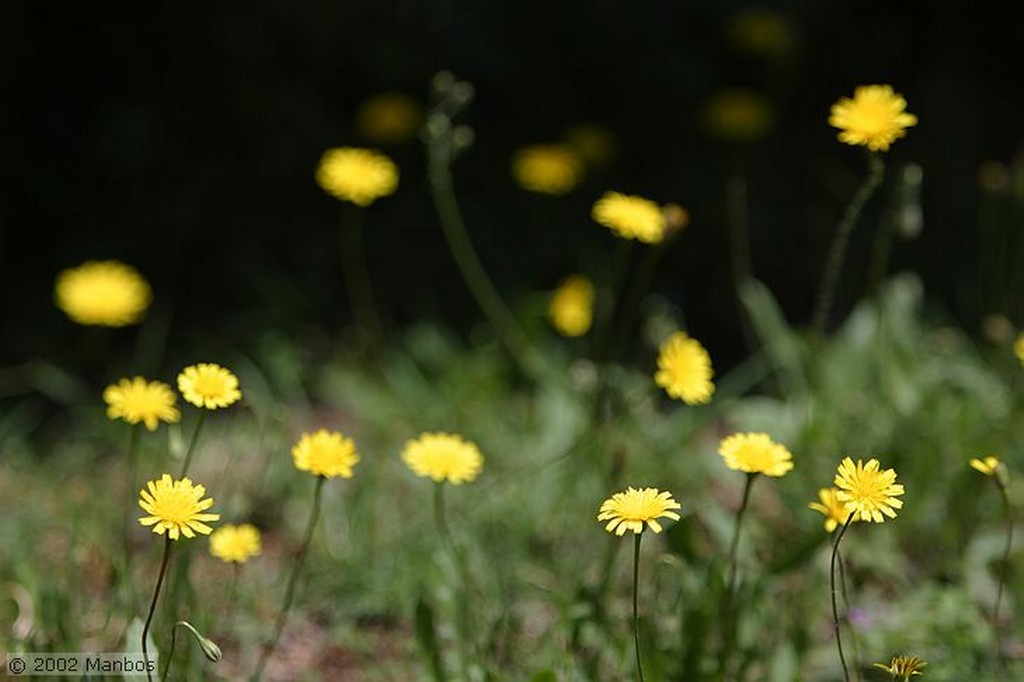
730 615
630 303
462 600
636 613
835 607
356 272
192 444
152 605
133 466
846 607
1003 566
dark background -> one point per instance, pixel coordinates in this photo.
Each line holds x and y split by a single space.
182 138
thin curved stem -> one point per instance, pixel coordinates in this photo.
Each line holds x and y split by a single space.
356 272
846 606
730 615
192 444
152 604
636 613
835 607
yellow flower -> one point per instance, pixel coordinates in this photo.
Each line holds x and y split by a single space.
903 667
443 457
325 453
835 512
104 293
630 217
629 510
358 175
1018 347
867 492
137 400
176 507
684 369
988 466
389 117
235 543
208 385
755 453
738 115
547 168
874 118
572 306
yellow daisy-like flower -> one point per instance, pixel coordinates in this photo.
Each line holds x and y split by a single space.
389 117
137 400
684 369
755 453
176 507
358 175
325 453
902 668
631 509
235 544
630 217
547 168
1018 347
572 306
835 512
988 466
874 118
103 293
208 385
443 457
868 492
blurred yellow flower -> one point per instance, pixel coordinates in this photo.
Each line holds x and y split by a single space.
755 453
684 369
572 306
325 453
358 175
208 385
388 118
834 511
137 400
443 457
866 491
630 217
738 115
103 293
1018 347
629 510
593 143
874 118
762 32
235 543
176 507
547 168
988 466
902 668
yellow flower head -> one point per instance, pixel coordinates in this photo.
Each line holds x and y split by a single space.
389 117
738 115
176 507
1018 347
325 453
991 466
572 306
874 118
358 175
867 492
235 543
137 400
902 668
755 453
630 217
547 168
443 457
629 510
103 293
208 385
684 369
835 512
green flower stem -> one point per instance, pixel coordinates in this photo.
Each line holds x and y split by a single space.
357 274
289 593
620 270
835 607
1003 566
636 613
837 251
210 649
152 605
462 600
730 616
192 444
846 606
132 493
641 283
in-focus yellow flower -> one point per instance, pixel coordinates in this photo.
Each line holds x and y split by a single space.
834 511
572 306
208 385
176 507
103 293
874 118
547 168
988 466
902 668
631 509
235 543
755 453
388 118
630 217
593 143
738 115
868 492
1018 347
325 453
358 175
137 400
443 457
684 369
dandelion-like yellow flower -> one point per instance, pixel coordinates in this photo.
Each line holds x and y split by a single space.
835 512
631 509
358 175
325 453
176 507
572 306
988 466
1018 347
389 117
902 668
630 217
137 400
874 118
868 492
443 457
208 385
547 168
684 369
235 544
738 115
103 293
755 453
